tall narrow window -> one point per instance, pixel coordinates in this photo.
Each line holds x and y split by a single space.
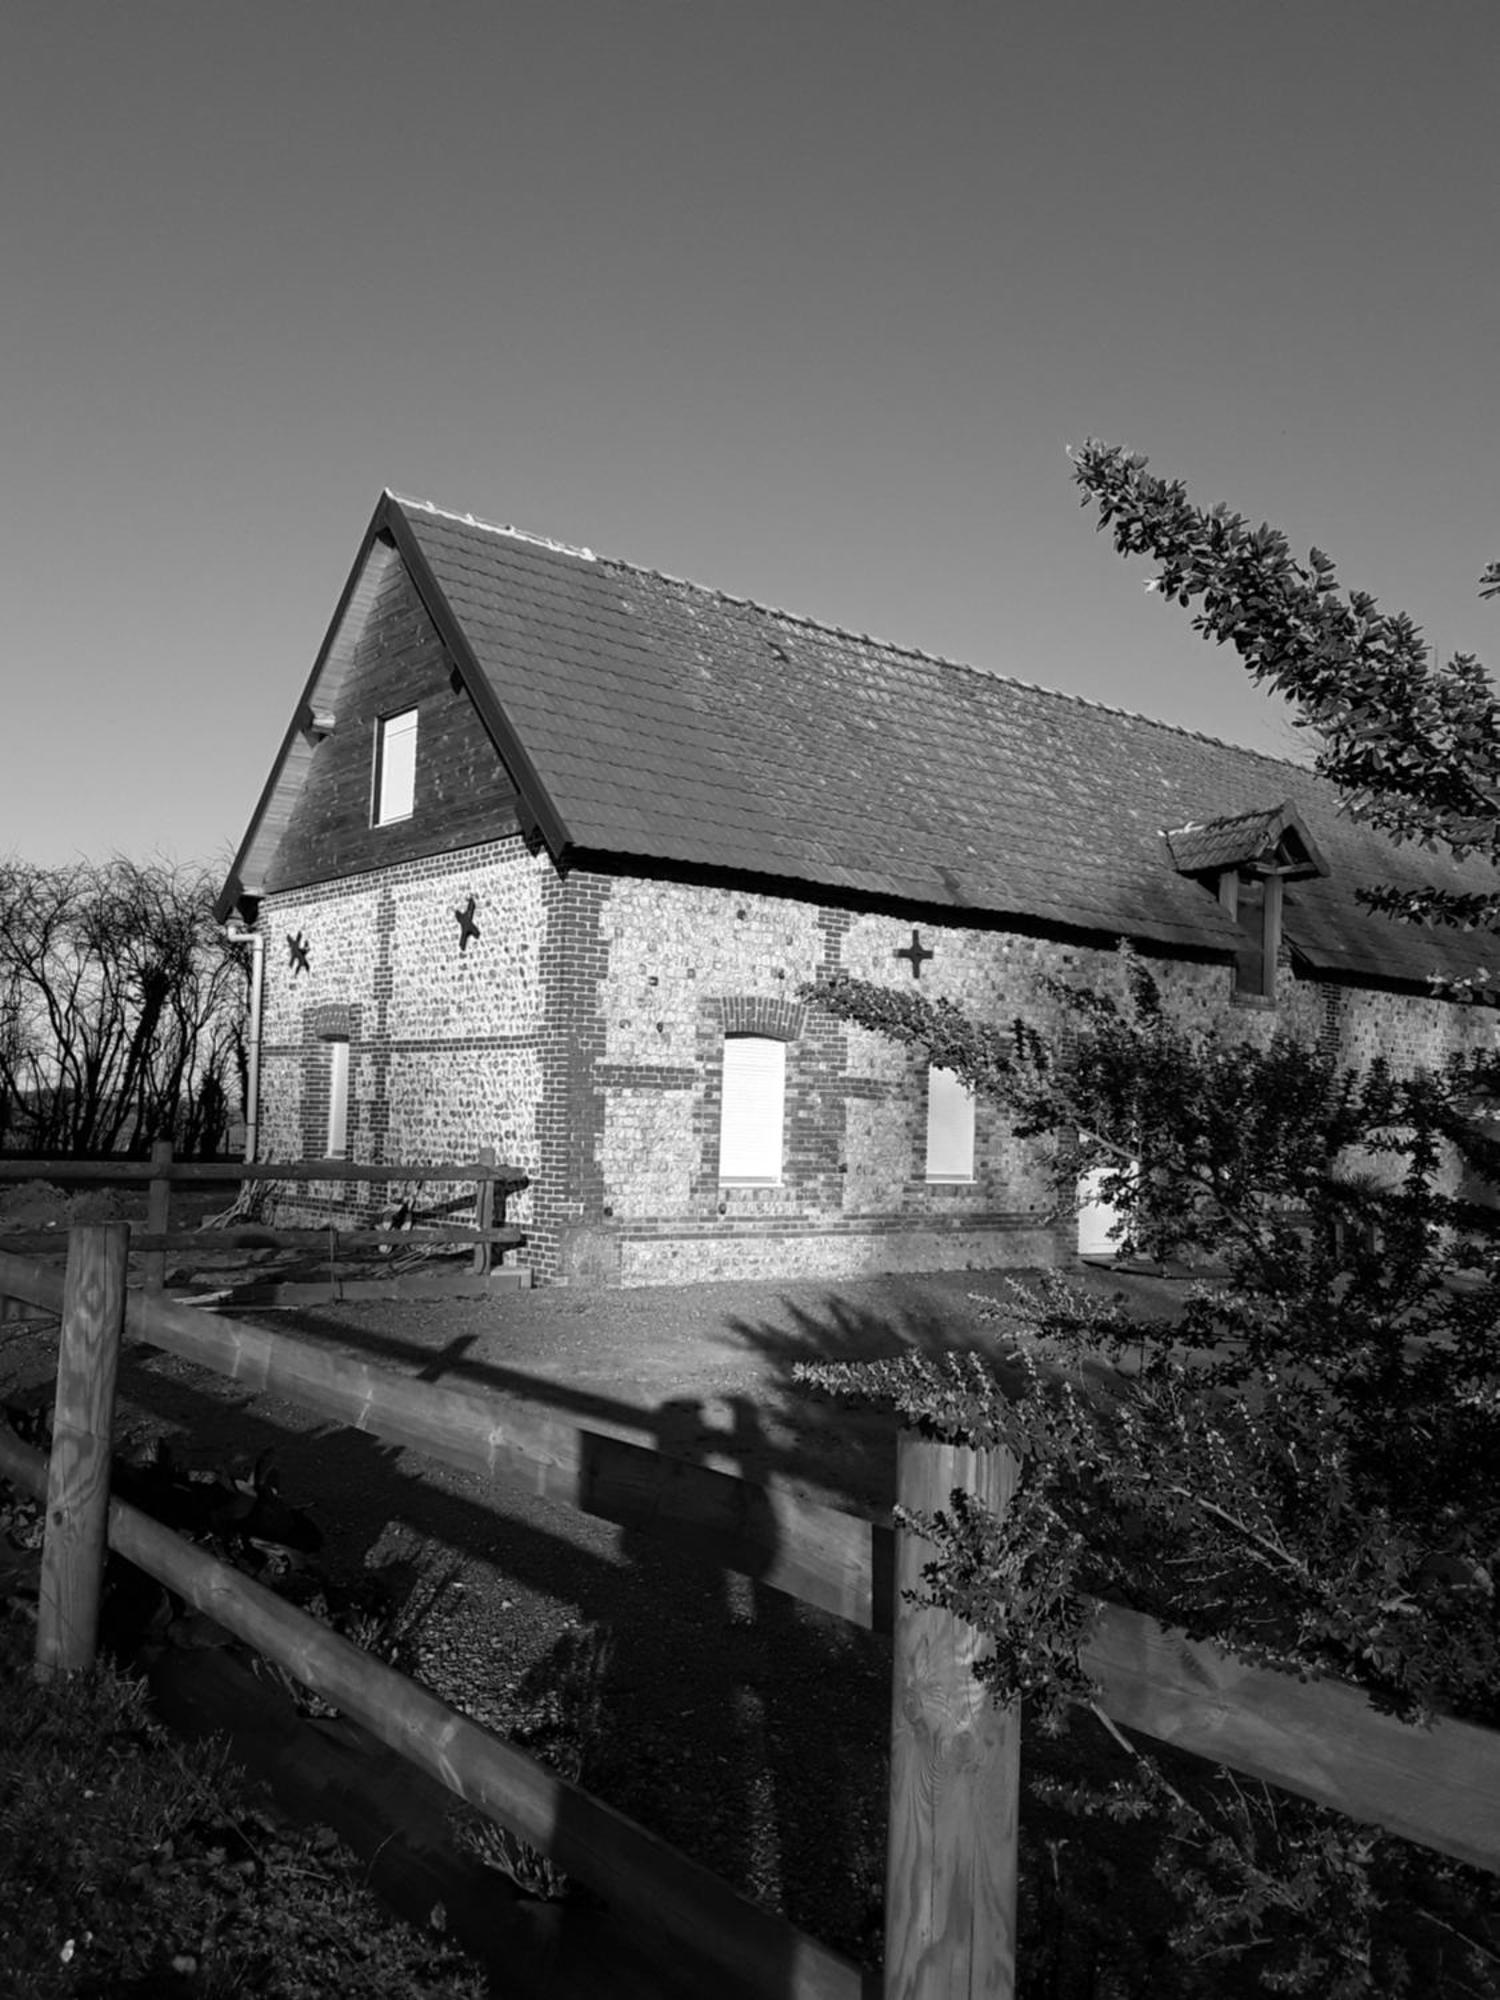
950 1127
395 766
337 1147
750 1125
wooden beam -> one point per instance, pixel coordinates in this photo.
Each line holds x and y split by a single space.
950 1902
77 1488
484 1212
158 1211
1320 1739
1271 918
252 1236
747 1950
32 1280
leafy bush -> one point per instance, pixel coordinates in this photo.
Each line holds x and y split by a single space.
1300 1467
136 1866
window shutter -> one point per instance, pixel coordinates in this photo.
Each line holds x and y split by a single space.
950 1127
338 1101
754 1103
396 774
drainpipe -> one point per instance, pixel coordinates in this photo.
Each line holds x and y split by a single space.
236 934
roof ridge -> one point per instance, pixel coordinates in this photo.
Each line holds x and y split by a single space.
842 631
493 527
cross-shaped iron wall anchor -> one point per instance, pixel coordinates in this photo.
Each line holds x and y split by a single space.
467 928
917 952
296 948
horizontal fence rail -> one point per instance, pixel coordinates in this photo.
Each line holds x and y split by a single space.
491 1180
255 1236
126 1171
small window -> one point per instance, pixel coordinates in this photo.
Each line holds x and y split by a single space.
337 1147
395 766
950 1127
750 1125
1101 1227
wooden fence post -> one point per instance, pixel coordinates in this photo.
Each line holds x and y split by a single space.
93 1318
484 1212
955 1765
158 1214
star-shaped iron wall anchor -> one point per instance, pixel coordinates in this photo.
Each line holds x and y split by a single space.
917 952
296 949
467 928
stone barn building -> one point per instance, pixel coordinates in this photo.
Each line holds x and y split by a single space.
553 844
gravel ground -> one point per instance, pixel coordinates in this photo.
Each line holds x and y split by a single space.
748 1730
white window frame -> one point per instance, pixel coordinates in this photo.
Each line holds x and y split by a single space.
395 783
337 1147
752 1114
950 1127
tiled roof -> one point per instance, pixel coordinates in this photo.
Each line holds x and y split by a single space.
668 722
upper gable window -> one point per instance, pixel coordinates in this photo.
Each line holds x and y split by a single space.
950 1127
754 1108
395 766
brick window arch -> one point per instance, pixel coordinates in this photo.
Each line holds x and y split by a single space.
762 1014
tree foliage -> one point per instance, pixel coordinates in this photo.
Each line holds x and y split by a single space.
121 1009
1300 1463
1413 742
1299 1466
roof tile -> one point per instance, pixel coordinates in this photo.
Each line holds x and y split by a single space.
674 723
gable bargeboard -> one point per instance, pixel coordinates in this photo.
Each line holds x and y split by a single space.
646 814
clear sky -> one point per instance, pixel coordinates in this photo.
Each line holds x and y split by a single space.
804 299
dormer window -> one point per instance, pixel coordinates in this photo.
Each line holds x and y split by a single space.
395 766
1247 861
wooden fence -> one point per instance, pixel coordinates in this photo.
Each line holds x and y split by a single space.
955 1784
163 1171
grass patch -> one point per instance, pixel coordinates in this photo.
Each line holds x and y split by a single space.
139 1866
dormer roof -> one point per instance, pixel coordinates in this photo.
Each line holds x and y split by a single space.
1272 841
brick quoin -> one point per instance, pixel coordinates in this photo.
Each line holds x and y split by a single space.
568 1197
